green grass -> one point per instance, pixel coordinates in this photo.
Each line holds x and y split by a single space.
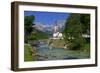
58 43
86 47
78 54
27 54
84 52
40 35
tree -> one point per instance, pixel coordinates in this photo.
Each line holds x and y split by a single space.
73 32
28 27
28 24
85 21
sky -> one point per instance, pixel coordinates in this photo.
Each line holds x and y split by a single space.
47 17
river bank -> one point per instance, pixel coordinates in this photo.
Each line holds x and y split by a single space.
43 53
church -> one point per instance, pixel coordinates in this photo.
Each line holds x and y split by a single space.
57 34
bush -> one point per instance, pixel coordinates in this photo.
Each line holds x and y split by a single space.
76 43
26 39
30 37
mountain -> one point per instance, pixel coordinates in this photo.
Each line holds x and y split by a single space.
49 28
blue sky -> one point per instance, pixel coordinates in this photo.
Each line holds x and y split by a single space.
47 17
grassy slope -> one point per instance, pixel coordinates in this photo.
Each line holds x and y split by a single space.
27 54
40 35
58 43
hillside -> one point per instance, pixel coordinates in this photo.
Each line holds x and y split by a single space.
39 34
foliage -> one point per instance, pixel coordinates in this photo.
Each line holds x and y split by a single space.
31 33
28 27
37 35
28 24
76 25
41 35
85 21
76 44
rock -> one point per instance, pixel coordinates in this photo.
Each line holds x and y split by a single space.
69 57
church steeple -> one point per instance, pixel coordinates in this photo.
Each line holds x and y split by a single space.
55 27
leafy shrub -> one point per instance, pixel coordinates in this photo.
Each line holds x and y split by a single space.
76 44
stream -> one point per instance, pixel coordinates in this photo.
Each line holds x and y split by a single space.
45 53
